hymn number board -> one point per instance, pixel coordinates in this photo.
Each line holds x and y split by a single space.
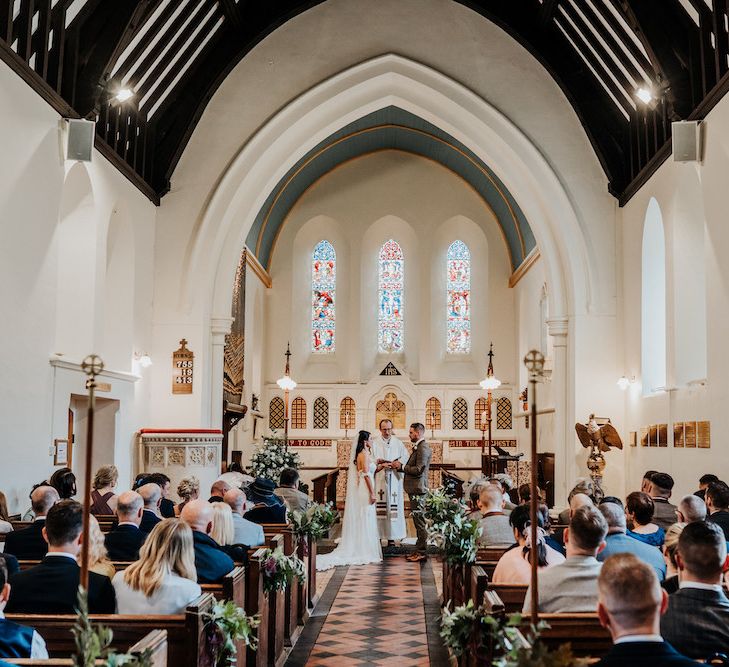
183 361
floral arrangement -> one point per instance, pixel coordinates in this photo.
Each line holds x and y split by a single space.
271 458
278 569
469 629
93 642
226 624
315 521
448 526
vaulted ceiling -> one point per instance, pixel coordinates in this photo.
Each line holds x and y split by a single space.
174 54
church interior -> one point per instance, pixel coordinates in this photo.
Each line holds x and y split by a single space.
292 220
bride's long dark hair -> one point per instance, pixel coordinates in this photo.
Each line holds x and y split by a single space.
363 437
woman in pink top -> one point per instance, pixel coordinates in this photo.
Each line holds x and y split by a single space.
514 567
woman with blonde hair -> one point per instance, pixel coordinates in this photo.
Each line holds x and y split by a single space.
98 557
670 547
5 525
223 532
103 498
164 579
188 489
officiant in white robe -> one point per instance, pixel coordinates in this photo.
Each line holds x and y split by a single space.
389 484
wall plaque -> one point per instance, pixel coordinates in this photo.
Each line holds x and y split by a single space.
182 369
466 444
310 442
390 370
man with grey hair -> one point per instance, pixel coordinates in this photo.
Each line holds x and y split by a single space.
28 543
495 527
152 496
123 543
691 508
617 542
246 532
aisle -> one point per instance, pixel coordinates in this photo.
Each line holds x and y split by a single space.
384 614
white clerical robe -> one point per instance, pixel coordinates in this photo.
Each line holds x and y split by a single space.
389 489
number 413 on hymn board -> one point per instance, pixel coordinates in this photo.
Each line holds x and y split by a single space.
183 361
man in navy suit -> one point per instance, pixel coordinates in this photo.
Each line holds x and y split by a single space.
17 641
52 586
152 495
630 604
211 562
28 543
124 541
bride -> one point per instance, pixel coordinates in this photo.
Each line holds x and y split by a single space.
360 542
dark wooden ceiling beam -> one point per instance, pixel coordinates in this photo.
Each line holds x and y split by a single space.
232 15
6 20
549 7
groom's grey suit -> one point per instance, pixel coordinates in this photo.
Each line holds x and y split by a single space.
415 484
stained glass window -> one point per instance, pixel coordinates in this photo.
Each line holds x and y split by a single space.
323 288
298 413
480 412
276 413
460 414
459 298
503 414
321 413
432 413
347 413
390 298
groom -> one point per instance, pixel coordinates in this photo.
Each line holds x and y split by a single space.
416 486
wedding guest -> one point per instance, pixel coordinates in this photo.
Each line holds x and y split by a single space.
514 567
28 543
495 527
245 532
617 542
218 490
474 493
5 525
98 557
152 497
645 484
268 507
188 489
163 580
223 532
580 495
630 604
29 514
664 513
166 506
639 510
124 541
697 619
211 562
64 481
508 505
670 549
571 586
288 491
691 508
103 498
704 482
717 505
16 641
52 586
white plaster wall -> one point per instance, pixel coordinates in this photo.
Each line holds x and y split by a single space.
37 284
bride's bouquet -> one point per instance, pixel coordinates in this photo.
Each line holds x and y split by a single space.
271 458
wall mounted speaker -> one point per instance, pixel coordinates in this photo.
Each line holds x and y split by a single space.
686 140
80 139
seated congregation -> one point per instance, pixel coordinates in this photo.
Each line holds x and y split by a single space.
147 557
649 572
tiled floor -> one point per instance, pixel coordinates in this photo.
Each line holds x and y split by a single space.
378 617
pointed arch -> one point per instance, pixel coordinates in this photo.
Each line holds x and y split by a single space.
432 413
458 299
479 410
347 413
321 413
460 414
276 413
323 293
390 297
298 413
504 420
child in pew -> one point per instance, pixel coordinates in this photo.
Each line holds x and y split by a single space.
514 567
163 580
16 641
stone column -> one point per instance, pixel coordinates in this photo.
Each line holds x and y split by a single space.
213 411
562 382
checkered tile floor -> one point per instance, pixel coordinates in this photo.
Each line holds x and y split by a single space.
377 618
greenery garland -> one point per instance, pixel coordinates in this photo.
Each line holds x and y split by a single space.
315 521
448 526
279 570
225 625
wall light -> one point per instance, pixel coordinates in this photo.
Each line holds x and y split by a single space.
144 360
624 382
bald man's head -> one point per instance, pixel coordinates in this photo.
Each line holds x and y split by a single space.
579 500
235 498
152 495
198 514
129 507
42 499
219 488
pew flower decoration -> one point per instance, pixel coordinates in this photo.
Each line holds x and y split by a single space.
93 642
225 625
449 528
279 570
315 521
271 458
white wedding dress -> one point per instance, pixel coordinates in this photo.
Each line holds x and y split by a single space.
360 541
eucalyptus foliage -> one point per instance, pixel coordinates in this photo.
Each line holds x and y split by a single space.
449 528
315 521
225 625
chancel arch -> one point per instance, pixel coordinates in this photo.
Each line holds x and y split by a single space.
347 413
392 408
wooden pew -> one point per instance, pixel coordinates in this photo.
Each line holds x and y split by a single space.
257 602
155 641
232 587
276 612
582 631
291 595
185 632
325 487
511 595
312 596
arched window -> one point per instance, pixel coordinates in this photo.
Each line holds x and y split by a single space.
323 288
276 413
298 413
458 299
653 305
390 298
321 413
432 413
503 414
460 414
480 413
347 413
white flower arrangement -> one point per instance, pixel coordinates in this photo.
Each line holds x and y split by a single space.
271 458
